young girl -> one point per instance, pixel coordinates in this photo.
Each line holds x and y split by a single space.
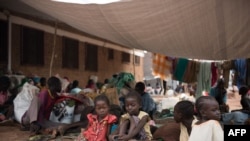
208 127
99 123
135 123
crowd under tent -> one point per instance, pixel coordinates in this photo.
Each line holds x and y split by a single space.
196 29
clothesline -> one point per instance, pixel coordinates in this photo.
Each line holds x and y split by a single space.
203 72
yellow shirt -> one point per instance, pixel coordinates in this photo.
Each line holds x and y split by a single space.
184 136
146 126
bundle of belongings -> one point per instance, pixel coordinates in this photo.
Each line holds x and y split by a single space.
23 100
163 117
118 86
63 110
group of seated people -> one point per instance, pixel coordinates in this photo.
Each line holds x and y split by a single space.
100 119
34 104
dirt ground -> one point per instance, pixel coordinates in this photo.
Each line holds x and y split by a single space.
12 133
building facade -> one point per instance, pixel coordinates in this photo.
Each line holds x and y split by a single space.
38 47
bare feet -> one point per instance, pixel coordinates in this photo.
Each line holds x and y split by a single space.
52 132
61 130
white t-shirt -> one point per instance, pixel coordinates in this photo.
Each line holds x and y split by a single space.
207 131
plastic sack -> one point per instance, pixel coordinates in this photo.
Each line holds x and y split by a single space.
23 100
169 102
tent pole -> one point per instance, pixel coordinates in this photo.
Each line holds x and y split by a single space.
53 51
134 61
9 40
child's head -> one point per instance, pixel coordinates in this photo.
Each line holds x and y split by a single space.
90 82
75 83
54 84
207 108
43 81
243 90
183 110
102 105
4 83
140 87
133 103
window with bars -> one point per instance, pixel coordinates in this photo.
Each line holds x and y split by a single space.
91 57
125 57
3 42
137 60
70 53
110 54
32 46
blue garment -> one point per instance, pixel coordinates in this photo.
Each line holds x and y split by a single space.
113 128
237 117
241 68
148 104
75 90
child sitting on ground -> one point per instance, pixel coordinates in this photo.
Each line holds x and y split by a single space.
99 123
135 123
208 127
184 114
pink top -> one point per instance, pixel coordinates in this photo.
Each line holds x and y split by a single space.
97 130
3 97
47 102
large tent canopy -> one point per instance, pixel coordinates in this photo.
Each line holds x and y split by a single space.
197 29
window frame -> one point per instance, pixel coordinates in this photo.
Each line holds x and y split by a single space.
137 60
110 54
125 57
29 38
91 57
70 53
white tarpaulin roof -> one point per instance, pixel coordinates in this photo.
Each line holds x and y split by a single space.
200 29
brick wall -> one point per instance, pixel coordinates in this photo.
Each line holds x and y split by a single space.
106 68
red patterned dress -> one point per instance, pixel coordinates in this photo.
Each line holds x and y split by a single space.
97 130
